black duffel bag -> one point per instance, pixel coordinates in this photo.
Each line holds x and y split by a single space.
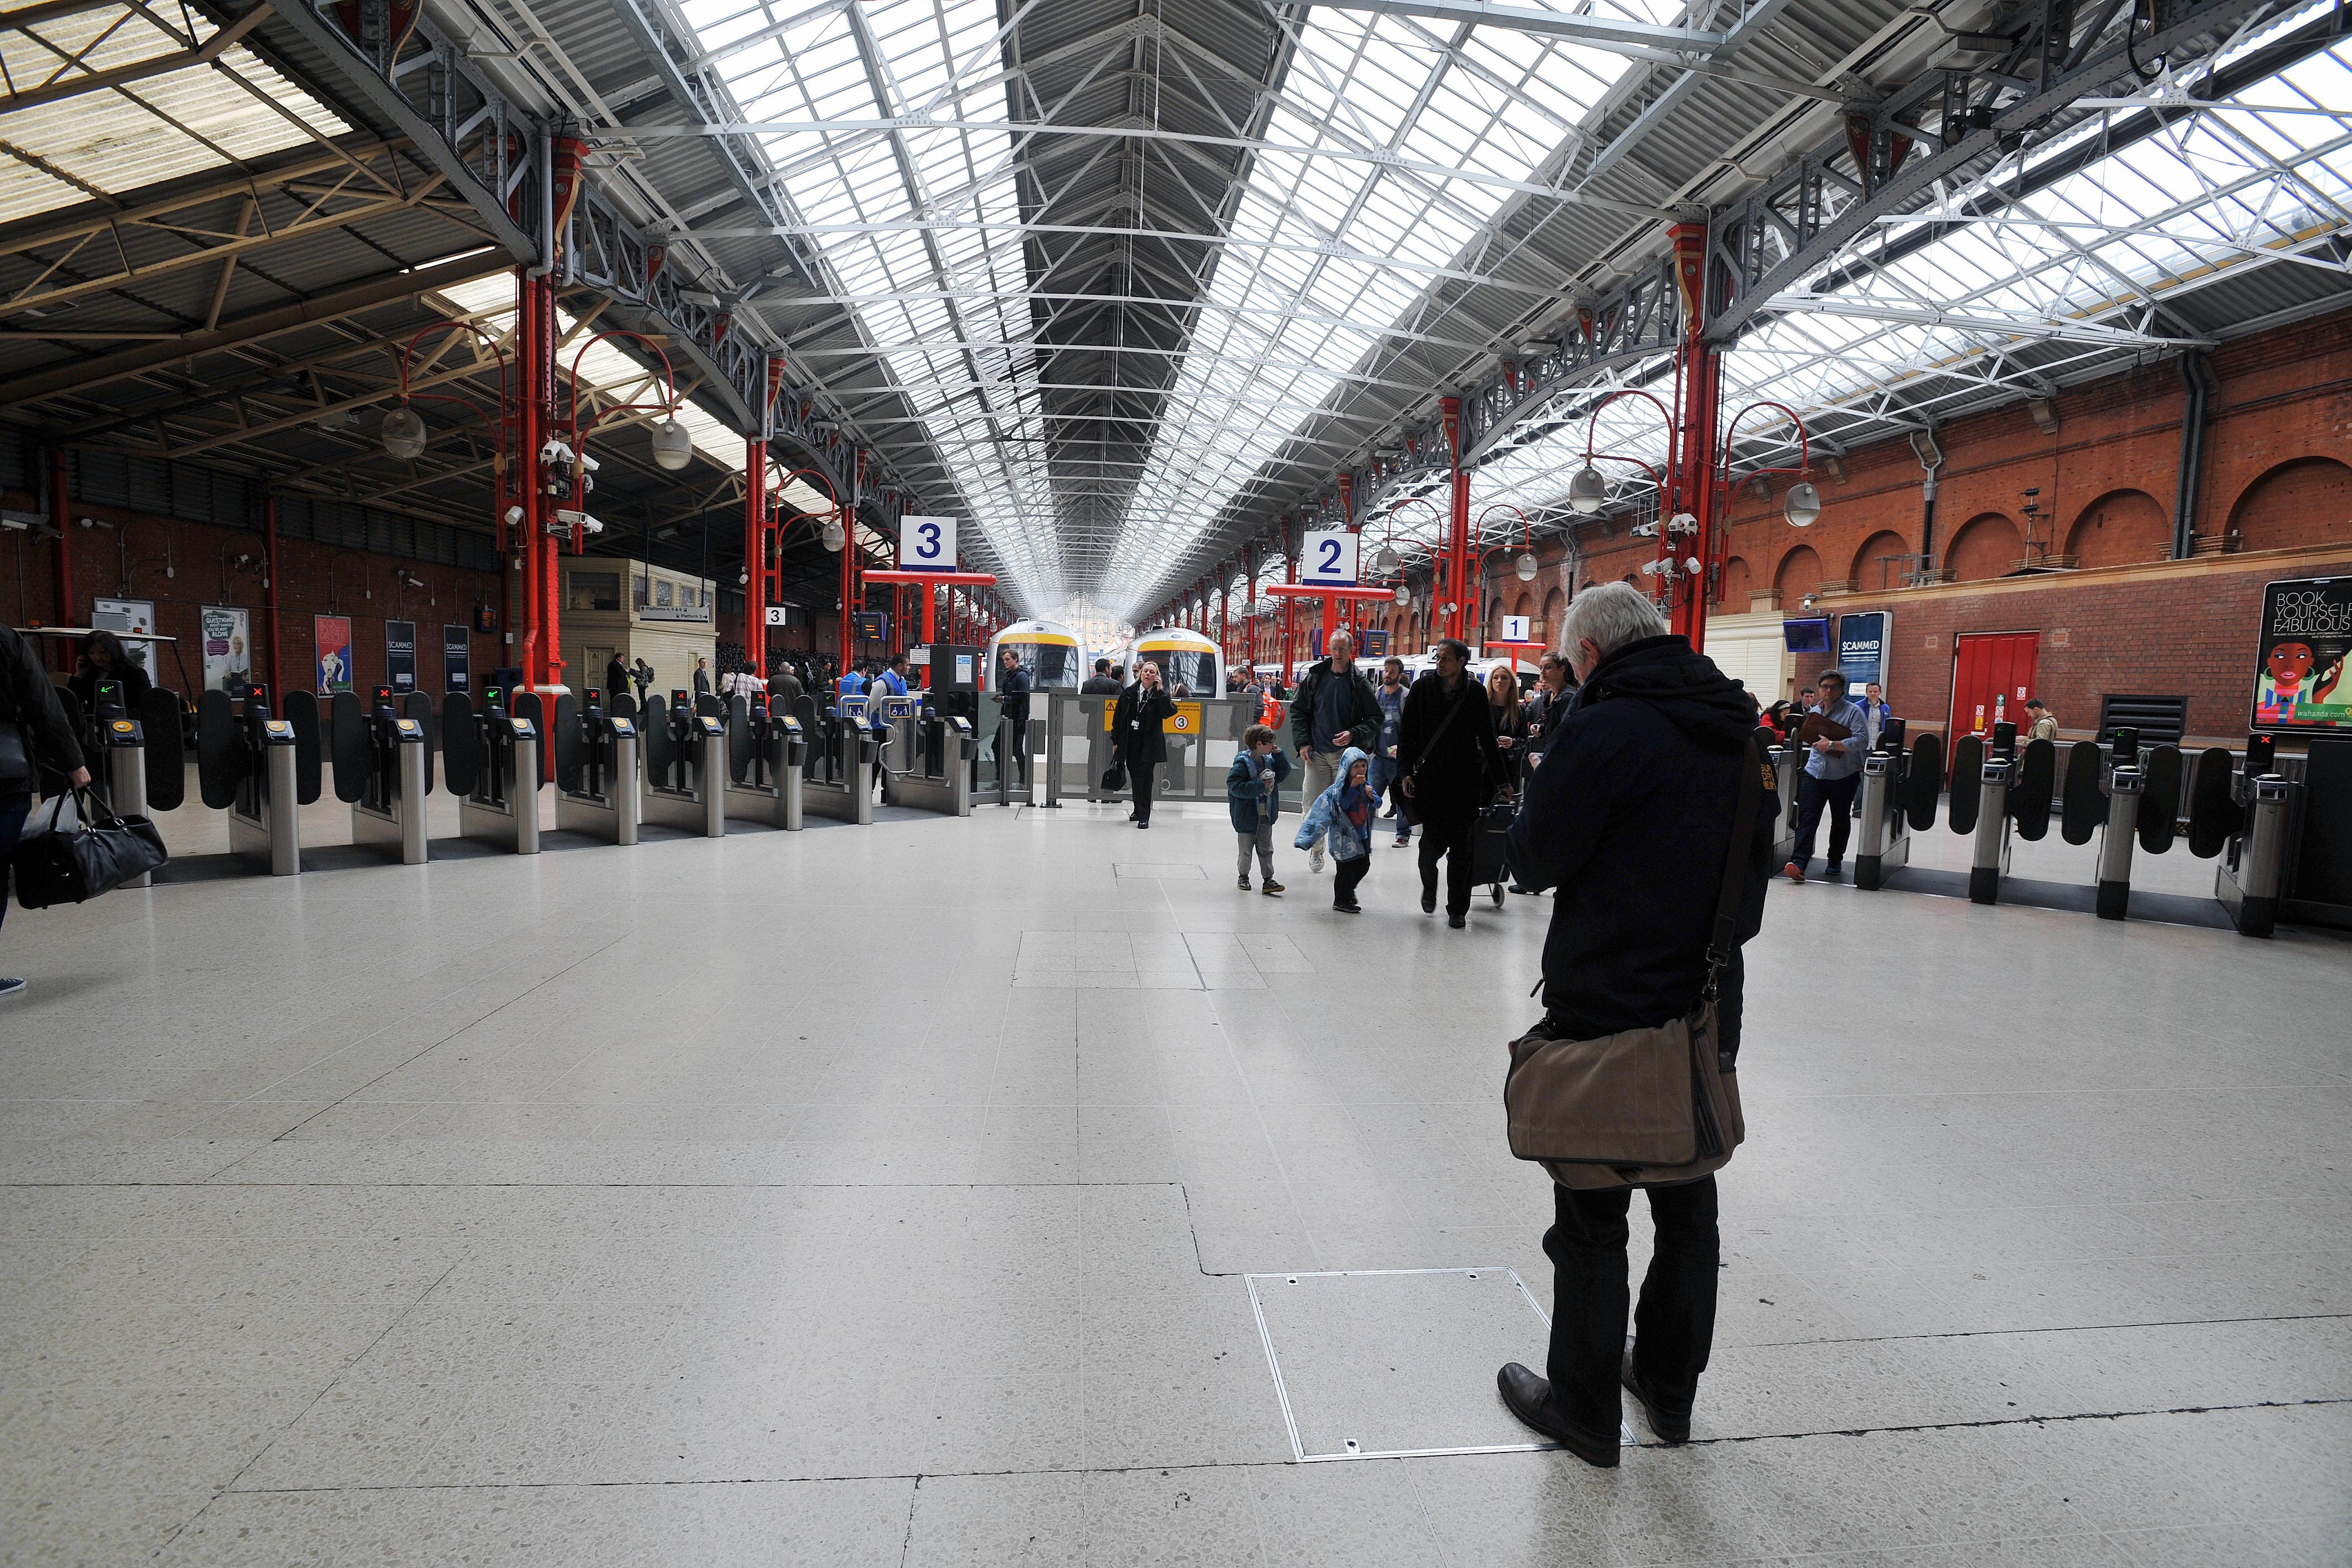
74 864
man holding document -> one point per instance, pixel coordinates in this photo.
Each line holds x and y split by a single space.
1831 734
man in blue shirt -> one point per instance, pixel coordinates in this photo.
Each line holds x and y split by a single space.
895 677
1833 773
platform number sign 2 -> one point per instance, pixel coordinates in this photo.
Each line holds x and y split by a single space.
1329 559
927 544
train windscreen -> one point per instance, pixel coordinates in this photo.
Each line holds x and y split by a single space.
1050 664
1189 672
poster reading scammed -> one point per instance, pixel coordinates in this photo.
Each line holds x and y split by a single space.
400 656
227 666
457 658
2299 678
334 639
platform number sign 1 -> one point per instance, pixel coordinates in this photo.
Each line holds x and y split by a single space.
1514 629
1328 561
927 544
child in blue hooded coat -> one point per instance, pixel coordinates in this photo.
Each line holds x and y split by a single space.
1343 814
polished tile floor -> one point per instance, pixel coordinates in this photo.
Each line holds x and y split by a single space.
889 1197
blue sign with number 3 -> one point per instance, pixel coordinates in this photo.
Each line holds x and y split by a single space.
927 544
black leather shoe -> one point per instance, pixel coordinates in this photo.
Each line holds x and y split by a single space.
1457 921
1669 1427
1529 1399
1429 901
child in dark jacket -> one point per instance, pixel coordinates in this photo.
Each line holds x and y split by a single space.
1254 796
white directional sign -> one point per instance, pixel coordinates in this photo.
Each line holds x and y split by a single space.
927 544
1329 560
1514 629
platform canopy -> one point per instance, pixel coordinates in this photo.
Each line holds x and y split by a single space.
1121 281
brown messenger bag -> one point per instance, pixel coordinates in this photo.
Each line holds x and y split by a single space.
1646 1107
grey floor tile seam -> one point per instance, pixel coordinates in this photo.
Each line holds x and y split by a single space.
2048 1329
326 1389
1649 1447
1998 1421
1258 1113
529 992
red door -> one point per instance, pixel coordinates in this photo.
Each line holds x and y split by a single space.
1992 674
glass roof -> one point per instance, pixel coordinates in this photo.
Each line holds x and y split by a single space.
1387 150
2079 270
62 153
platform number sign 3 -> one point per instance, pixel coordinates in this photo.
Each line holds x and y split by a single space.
927 544
1329 560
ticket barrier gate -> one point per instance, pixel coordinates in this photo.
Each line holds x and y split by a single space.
1788 768
114 742
767 753
597 766
1882 835
490 761
942 781
844 789
1197 760
685 773
261 770
382 751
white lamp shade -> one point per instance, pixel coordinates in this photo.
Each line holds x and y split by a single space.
1403 594
1805 504
1526 565
404 432
1589 491
673 447
1385 561
834 538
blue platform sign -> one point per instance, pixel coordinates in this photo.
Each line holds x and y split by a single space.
1861 647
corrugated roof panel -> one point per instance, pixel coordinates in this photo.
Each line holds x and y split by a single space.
111 140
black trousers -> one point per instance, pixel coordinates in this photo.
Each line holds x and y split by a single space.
1673 1326
1447 837
1346 874
1814 796
1143 774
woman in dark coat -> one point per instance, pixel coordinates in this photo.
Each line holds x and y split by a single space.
104 658
1143 709
1451 771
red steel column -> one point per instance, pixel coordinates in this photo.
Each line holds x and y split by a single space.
269 594
1701 375
1289 576
63 545
1347 521
1457 548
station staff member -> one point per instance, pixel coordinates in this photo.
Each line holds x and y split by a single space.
1832 772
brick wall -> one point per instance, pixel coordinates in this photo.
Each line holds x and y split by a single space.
2276 501
363 581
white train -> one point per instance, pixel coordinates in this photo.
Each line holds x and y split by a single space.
1057 660
1188 662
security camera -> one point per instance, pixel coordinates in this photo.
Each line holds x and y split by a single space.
1644 530
565 521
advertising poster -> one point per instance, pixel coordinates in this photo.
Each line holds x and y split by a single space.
1862 641
400 656
457 658
2299 676
227 665
127 615
333 635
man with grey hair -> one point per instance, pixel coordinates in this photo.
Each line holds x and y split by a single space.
1629 820
1334 709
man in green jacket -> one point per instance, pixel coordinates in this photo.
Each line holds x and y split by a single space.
1335 708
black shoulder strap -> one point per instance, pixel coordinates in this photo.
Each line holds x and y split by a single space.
1443 724
1724 941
